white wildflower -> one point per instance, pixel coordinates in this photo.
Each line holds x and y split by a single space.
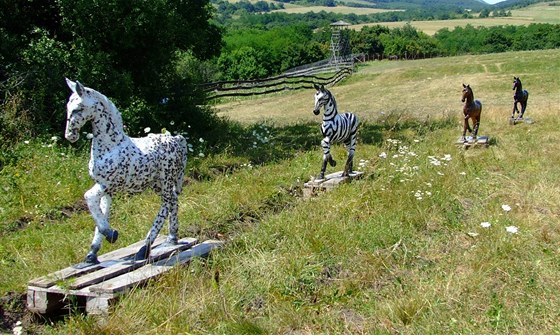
200 154
383 155
26 142
463 173
485 224
18 329
201 140
506 208
147 129
89 136
446 157
512 229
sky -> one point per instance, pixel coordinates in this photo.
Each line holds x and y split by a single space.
492 1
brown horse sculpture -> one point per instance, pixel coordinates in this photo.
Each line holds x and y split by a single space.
471 110
520 97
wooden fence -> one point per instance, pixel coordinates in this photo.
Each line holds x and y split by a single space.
327 74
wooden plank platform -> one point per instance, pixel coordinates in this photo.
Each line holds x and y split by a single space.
329 182
483 141
97 286
525 120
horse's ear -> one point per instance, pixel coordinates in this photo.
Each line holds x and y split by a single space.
80 89
322 87
71 85
464 86
75 87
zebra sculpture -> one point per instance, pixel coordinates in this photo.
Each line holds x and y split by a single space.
471 110
335 128
520 97
119 163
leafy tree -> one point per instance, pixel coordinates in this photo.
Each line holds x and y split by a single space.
126 49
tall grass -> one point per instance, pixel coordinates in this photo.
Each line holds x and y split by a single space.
400 251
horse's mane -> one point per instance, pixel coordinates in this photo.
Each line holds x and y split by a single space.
519 85
108 104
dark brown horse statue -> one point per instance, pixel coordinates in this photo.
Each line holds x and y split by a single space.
471 110
520 97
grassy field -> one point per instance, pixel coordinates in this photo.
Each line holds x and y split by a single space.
434 240
547 12
295 9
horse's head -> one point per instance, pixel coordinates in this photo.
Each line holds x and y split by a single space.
79 110
322 97
467 91
516 83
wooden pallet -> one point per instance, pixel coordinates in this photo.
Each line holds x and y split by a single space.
97 286
483 141
525 120
329 182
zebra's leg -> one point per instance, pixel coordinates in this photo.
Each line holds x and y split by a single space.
327 157
144 252
350 147
99 203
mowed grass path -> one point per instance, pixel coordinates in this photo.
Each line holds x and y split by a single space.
400 251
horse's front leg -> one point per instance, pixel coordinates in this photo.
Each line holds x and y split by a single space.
144 252
514 109
327 157
99 204
465 127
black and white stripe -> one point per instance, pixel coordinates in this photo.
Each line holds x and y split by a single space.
336 128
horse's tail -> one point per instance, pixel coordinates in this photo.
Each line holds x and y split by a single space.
525 95
478 105
182 152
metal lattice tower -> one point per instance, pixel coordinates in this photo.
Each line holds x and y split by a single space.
340 47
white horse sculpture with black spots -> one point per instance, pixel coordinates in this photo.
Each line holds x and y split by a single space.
119 163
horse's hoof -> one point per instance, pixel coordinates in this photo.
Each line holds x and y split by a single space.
91 259
142 254
170 241
112 236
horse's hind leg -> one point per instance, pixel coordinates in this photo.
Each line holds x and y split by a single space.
144 252
523 107
475 127
173 219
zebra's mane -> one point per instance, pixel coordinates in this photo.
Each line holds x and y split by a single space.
333 100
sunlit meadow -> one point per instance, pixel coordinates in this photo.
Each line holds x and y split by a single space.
434 239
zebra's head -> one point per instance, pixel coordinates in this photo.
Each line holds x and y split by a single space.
322 97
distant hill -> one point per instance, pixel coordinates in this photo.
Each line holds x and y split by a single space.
410 4
475 5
